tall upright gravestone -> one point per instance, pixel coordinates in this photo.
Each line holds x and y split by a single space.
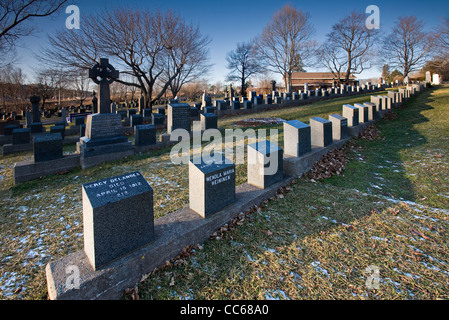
104 134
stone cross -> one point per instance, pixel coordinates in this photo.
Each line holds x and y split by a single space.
103 74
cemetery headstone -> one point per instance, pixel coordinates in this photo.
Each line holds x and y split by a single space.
372 114
47 147
117 217
352 114
103 74
339 126
208 121
265 164
297 138
321 132
178 117
21 136
363 112
157 119
144 135
211 186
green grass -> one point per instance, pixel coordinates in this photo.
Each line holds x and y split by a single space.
314 241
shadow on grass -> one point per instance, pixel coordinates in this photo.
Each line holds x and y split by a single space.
377 167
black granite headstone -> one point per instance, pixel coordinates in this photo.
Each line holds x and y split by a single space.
178 117
117 217
21 136
211 186
144 135
47 147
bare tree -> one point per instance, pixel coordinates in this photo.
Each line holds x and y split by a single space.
407 47
15 17
242 63
286 44
141 43
348 48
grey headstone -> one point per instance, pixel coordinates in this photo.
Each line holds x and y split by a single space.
117 217
321 132
265 164
352 114
297 138
363 112
211 186
372 114
339 126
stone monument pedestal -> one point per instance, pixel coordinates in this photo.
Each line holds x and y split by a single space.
104 140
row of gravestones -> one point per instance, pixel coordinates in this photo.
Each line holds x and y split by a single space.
110 234
234 103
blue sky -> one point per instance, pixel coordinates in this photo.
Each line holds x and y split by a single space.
229 22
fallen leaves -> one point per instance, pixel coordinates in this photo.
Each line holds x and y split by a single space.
331 164
370 133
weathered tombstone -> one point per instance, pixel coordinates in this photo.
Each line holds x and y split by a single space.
352 114
208 121
94 102
211 186
178 117
29 119
103 74
436 79
144 135
21 136
206 100
82 130
117 217
104 132
428 76
47 147
265 164
141 104
339 126
297 138
251 96
321 132
35 109
273 85
363 112
306 87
